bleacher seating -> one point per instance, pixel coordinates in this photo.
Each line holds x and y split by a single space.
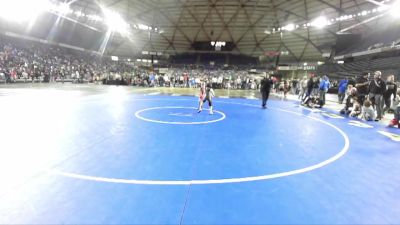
377 39
357 67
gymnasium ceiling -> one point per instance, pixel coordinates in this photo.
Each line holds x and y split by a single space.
248 24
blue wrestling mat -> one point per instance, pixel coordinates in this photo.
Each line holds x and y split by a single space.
152 159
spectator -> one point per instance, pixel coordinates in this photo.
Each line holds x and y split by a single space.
362 84
310 86
323 89
295 87
286 88
342 90
316 82
396 107
391 89
303 87
377 88
352 81
396 100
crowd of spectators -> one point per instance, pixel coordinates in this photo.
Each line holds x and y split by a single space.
34 62
370 97
29 61
366 97
192 78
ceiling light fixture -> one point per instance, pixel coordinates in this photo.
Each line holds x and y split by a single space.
320 22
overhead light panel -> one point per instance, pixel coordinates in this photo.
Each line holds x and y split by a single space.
63 8
289 27
320 22
143 27
115 22
394 9
23 10
382 8
79 14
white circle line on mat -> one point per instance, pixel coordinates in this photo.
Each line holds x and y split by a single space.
326 162
137 114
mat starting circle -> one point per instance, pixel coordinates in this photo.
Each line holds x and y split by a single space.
139 115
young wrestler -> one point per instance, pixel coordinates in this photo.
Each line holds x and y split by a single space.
202 93
367 112
356 110
352 103
206 94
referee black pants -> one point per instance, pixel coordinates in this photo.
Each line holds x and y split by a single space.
265 95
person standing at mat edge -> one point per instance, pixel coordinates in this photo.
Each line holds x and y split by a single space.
206 94
266 85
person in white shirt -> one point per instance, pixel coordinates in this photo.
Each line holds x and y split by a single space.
220 80
238 83
367 111
2 76
166 80
197 81
303 87
25 75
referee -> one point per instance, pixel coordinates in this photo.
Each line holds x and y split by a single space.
266 85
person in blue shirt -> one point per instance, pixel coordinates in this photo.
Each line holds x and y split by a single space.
342 89
152 79
324 85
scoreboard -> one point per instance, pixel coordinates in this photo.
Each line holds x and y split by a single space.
213 46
